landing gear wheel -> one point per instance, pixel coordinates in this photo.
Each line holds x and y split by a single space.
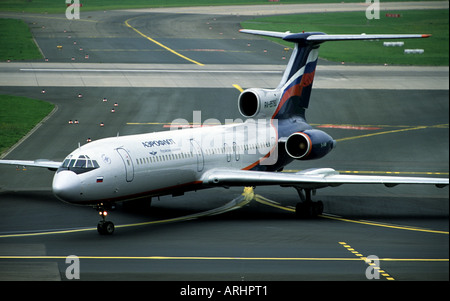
318 208
307 208
105 227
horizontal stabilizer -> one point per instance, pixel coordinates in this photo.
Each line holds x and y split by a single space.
348 37
273 34
319 37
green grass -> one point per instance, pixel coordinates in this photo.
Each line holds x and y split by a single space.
59 6
16 41
18 116
433 22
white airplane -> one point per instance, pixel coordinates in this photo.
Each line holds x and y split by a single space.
250 153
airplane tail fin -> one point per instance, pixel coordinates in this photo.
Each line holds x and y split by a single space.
296 83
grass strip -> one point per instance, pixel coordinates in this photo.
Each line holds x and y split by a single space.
16 41
435 22
18 116
59 6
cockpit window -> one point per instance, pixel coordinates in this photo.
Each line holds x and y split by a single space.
79 165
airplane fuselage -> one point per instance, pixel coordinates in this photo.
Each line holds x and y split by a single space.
169 162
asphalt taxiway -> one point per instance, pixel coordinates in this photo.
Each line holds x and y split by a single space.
389 127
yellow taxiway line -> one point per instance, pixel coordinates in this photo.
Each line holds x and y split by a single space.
268 202
161 45
222 258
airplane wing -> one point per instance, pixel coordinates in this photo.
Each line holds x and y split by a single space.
307 179
52 165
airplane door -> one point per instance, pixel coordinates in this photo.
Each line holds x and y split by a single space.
197 150
129 167
237 156
227 151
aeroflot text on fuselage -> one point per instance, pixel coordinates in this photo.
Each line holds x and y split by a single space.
161 142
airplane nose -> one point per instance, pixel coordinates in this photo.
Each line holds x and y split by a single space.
67 186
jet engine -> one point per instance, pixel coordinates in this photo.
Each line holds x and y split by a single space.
258 103
309 145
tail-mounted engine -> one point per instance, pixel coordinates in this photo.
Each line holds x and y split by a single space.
308 145
258 103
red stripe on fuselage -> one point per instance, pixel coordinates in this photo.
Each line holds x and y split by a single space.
295 90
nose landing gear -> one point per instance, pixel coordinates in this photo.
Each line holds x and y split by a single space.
104 227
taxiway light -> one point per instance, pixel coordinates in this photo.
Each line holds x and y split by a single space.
418 51
393 44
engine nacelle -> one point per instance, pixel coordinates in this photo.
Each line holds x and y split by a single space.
260 103
309 145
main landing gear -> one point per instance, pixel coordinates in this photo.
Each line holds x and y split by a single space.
104 227
307 208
